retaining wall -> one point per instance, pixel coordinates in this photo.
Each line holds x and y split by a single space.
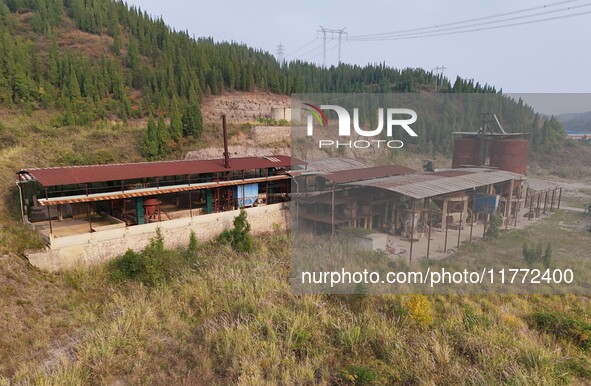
271 134
92 248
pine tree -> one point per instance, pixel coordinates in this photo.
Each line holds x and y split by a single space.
53 64
176 124
116 43
133 55
73 85
163 137
192 121
150 141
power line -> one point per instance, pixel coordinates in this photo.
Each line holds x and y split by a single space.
482 29
308 52
301 48
321 53
483 23
438 26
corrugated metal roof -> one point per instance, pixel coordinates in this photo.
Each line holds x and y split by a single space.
153 191
331 165
367 173
541 185
434 184
71 175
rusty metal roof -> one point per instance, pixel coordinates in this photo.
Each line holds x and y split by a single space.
153 191
435 184
72 175
367 173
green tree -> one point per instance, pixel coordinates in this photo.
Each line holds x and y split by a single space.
239 237
176 123
493 227
163 137
133 55
150 147
53 64
192 121
116 49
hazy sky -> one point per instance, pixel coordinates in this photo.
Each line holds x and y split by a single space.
548 57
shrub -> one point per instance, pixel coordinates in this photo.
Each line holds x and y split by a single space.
547 258
153 265
419 309
472 319
492 231
358 375
192 247
536 253
563 326
239 237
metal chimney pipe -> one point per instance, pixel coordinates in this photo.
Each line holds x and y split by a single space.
226 153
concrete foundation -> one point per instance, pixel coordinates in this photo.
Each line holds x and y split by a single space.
86 249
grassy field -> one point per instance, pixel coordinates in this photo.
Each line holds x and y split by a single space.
230 318
223 317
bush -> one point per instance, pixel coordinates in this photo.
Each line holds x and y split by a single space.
153 265
419 309
192 247
563 326
358 375
492 231
536 253
239 237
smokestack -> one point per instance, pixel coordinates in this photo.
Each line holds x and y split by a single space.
226 153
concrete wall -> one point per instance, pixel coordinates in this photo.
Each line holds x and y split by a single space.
92 248
281 113
271 134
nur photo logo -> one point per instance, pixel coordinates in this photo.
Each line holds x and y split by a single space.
389 118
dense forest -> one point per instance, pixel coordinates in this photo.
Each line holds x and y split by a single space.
152 70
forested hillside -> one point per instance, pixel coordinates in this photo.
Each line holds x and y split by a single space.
100 59
576 122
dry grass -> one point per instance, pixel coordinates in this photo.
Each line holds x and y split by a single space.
231 319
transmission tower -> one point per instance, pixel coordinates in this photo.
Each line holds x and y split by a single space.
440 71
280 52
331 33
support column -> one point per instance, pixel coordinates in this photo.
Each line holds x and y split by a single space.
559 197
508 206
139 210
444 214
545 200
461 221
49 218
89 217
474 217
412 230
332 211
531 207
445 222
518 204
429 232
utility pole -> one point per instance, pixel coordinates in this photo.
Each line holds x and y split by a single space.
440 71
280 52
332 33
